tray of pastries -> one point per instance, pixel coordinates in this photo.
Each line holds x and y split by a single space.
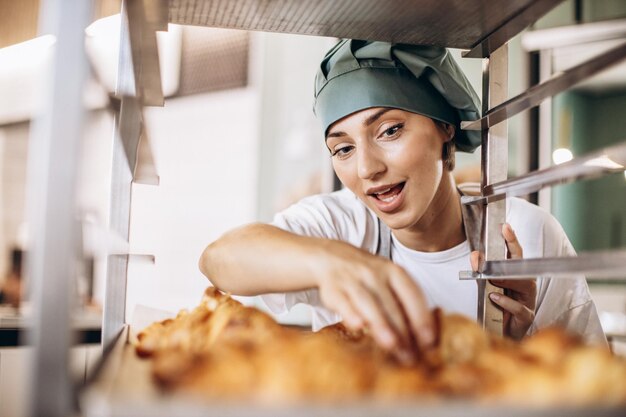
223 356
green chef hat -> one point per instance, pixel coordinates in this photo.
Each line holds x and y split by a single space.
357 75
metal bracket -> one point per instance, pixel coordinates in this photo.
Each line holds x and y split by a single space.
494 166
511 28
536 94
596 164
598 265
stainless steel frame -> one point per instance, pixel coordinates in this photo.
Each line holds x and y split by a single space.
147 16
125 140
549 88
138 84
55 144
54 245
609 265
494 166
600 265
596 164
465 24
573 35
511 28
545 127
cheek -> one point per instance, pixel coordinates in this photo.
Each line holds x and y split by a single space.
422 163
345 173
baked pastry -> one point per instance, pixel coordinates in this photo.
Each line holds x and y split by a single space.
225 350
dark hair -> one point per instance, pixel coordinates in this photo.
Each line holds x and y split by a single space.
16 261
449 149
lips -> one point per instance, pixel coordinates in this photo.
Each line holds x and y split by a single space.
388 197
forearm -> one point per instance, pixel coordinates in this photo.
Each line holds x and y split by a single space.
363 288
261 258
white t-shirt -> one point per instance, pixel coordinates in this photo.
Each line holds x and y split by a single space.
341 215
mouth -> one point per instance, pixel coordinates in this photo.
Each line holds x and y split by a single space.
387 198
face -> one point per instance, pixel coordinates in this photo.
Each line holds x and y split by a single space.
392 160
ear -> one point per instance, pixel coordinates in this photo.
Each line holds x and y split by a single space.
450 130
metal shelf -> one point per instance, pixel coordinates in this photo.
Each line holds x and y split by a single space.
600 265
484 25
123 387
558 83
511 28
478 24
603 162
147 17
130 128
574 35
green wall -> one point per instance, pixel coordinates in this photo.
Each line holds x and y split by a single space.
590 11
592 212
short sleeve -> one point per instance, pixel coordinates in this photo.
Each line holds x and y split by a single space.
563 302
339 215
567 303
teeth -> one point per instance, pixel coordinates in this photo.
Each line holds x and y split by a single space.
388 199
383 191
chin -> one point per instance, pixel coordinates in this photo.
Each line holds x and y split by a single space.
399 221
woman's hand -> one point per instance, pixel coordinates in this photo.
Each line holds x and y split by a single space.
520 299
368 290
365 289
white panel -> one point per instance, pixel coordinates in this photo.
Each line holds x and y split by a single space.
205 148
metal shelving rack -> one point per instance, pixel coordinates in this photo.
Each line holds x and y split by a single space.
480 26
52 166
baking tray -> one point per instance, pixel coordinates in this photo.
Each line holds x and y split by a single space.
122 386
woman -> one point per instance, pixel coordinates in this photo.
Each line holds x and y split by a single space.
391 115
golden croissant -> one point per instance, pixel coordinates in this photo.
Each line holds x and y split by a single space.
225 350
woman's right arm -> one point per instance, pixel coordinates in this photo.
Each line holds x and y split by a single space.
260 258
363 288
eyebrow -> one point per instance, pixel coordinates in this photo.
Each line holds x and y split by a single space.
366 122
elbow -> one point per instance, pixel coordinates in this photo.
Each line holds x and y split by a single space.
219 261
206 265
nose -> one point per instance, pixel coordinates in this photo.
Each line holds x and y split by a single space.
370 163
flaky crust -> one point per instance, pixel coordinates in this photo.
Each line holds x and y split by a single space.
225 350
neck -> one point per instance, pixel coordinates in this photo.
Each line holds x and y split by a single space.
441 226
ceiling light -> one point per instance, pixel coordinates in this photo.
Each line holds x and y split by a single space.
562 155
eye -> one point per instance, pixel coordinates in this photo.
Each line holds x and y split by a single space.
393 131
342 151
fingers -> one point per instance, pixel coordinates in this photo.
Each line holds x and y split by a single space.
381 295
517 309
393 313
384 315
513 245
514 248
522 286
369 308
518 317
414 304
476 258
346 310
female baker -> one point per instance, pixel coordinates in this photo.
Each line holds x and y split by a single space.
389 246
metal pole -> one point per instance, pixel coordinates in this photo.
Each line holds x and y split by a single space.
494 167
125 140
53 251
545 127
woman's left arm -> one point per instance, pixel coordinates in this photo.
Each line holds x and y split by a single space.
521 295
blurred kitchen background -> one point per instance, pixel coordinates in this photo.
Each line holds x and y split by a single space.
237 140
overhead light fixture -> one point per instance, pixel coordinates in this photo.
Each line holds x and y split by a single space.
562 155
